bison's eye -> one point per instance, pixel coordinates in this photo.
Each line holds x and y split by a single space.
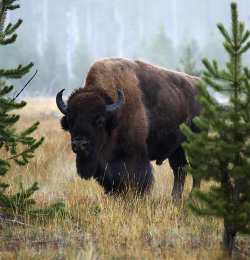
100 121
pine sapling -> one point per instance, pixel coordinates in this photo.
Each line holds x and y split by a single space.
10 139
220 152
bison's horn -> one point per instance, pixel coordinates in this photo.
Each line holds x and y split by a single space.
118 104
59 101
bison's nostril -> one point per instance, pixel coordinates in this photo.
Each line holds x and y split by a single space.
83 147
85 142
80 144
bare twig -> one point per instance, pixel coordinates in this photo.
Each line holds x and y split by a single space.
15 156
15 97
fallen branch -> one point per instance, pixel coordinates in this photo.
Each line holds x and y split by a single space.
13 221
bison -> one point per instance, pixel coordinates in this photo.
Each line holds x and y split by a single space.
128 114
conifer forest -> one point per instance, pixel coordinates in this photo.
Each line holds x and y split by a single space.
71 34
62 164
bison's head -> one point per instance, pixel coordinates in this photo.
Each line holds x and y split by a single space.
90 117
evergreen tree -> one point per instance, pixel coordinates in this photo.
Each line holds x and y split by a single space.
161 50
221 151
81 64
188 62
52 58
19 146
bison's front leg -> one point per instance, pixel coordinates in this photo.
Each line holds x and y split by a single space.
177 160
123 175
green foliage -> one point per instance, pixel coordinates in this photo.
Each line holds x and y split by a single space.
81 63
56 210
221 150
18 203
10 138
19 146
5 6
52 66
160 51
188 61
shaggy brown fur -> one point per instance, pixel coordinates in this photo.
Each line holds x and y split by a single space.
146 128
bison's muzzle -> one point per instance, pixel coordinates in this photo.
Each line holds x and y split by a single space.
81 145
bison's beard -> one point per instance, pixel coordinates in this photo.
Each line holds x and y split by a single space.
86 165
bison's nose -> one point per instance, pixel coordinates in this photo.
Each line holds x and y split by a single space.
80 144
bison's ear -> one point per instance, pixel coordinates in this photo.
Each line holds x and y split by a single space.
112 123
64 123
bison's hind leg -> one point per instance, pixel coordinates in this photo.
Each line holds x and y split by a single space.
177 161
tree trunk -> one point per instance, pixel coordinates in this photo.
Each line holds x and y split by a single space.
229 238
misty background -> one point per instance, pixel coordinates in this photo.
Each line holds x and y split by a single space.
64 37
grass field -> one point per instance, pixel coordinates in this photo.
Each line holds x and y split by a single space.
102 226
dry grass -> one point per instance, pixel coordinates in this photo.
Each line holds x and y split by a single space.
103 227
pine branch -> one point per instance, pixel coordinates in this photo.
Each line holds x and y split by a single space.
28 131
241 30
13 7
245 37
224 32
15 97
17 73
29 150
245 48
12 28
6 90
234 21
2 15
213 70
4 166
4 7
3 186
8 40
